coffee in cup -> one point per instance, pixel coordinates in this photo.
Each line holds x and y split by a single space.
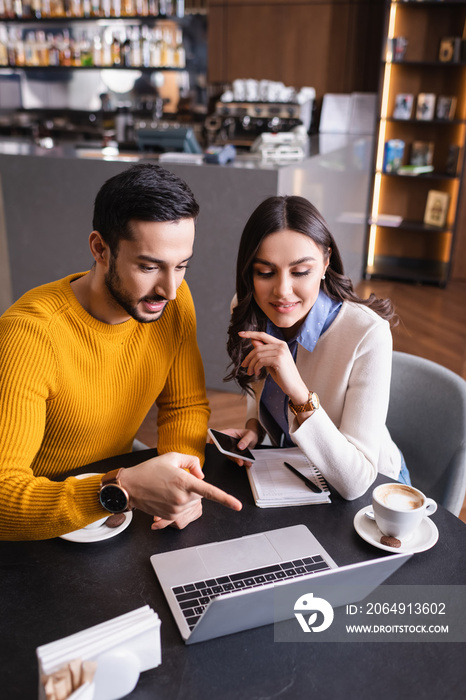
399 509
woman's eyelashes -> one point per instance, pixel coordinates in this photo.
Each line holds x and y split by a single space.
301 273
267 274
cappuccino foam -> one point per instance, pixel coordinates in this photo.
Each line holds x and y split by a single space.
400 497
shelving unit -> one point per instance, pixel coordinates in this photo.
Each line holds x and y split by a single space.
415 251
105 38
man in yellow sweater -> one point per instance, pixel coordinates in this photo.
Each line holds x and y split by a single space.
83 359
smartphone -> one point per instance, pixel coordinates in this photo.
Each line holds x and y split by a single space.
229 445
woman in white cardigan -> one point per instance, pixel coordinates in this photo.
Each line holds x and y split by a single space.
314 358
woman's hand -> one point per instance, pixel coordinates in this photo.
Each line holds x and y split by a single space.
249 437
275 355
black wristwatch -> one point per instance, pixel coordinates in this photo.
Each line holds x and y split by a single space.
112 495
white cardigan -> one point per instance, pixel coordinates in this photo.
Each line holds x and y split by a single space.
350 370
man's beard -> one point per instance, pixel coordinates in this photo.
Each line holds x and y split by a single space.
123 299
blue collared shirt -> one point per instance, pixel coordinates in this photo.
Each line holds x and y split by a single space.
273 399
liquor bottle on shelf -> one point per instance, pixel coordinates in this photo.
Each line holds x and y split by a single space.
127 8
146 42
135 47
31 57
46 8
3 46
116 50
107 42
86 50
97 50
179 55
57 8
106 8
75 8
142 8
166 49
53 52
36 8
126 52
164 8
64 49
75 50
18 50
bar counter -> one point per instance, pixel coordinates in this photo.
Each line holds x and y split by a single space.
48 197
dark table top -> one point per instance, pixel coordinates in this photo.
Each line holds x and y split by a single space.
54 588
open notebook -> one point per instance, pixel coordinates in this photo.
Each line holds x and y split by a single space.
273 485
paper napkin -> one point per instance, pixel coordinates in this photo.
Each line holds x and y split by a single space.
120 648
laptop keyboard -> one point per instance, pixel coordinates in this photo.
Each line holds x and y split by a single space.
193 598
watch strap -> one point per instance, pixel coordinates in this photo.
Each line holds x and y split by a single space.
312 404
112 478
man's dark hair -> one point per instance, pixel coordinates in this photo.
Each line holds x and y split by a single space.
144 192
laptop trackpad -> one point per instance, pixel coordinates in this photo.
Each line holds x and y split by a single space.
238 555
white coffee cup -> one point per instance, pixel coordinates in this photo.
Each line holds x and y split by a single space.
399 509
96 524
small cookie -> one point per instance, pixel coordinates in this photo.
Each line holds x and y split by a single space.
390 541
115 520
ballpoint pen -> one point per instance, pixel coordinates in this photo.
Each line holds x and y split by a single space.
310 484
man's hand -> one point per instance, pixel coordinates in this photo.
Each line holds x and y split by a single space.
161 487
188 517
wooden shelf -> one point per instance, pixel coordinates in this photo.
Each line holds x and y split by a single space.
71 20
427 64
426 3
433 175
418 226
425 122
145 69
408 270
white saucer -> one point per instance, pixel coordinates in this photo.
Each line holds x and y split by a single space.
421 539
99 533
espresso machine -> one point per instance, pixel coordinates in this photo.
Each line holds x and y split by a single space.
241 121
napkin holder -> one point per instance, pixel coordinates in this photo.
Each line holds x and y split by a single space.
122 648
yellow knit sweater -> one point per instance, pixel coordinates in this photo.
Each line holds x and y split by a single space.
74 390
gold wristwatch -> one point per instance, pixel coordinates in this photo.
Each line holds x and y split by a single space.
312 404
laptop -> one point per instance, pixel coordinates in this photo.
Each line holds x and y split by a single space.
226 587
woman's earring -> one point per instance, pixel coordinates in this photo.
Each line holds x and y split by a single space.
323 277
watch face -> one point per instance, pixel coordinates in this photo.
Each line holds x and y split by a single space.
113 498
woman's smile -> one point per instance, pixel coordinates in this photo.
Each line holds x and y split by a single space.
284 307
